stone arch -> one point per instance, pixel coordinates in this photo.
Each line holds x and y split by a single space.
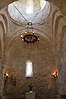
2 38
63 33
16 41
56 17
21 31
53 16
3 34
5 22
57 22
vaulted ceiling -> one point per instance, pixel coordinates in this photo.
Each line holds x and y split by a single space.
45 54
50 28
60 3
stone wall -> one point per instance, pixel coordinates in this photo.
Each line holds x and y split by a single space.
46 55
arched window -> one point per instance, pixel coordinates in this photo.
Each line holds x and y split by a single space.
29 69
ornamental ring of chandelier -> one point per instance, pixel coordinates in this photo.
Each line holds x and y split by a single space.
30 38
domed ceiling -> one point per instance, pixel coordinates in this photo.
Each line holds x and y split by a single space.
44 19
48 22
38 16
29 11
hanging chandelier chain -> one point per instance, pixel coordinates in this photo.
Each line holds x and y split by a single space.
29 36
36 14
20 13
24 17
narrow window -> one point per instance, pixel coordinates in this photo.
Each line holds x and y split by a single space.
29 69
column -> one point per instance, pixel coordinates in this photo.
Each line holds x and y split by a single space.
1 82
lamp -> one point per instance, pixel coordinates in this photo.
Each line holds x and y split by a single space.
29 36
5 79
11 78
55 74
5 76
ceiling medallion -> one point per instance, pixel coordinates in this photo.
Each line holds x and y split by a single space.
29 36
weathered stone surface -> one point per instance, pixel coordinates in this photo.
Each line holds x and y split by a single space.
45 55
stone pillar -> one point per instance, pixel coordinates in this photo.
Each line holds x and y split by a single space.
59 80
1 82
62 81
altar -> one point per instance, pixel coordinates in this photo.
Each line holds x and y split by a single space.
30 95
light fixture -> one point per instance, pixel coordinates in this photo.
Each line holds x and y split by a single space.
11 78
5 79
29 36
5 76
55 74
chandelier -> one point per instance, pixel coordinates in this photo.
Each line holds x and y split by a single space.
29 36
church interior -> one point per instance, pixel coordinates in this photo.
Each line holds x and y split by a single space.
32 49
